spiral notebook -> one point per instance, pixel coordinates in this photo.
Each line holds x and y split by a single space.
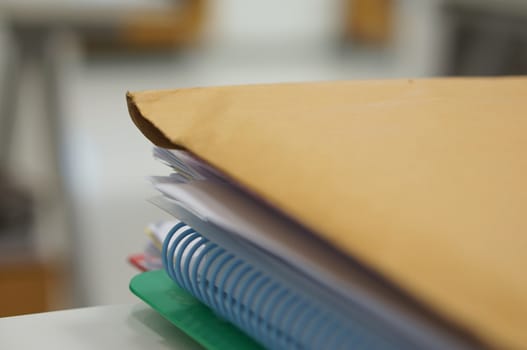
255 300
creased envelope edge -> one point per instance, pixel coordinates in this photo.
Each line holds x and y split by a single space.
146 126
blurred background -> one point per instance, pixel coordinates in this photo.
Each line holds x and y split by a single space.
73 167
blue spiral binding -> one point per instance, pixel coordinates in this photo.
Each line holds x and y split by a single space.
265 308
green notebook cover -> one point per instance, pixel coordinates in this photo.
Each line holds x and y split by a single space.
188 314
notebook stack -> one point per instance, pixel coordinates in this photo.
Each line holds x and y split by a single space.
342 215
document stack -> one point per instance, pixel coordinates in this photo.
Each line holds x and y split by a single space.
340 215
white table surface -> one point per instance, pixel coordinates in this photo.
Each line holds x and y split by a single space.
133 326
